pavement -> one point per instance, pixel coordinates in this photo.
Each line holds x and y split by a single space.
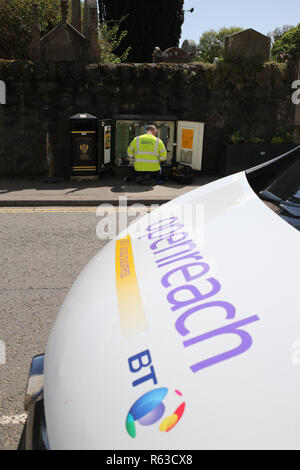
21 193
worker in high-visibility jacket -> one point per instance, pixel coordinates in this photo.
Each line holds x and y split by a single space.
147 152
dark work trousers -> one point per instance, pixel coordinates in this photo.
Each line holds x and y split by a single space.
145 176
142 177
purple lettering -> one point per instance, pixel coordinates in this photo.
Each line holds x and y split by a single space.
197 296
159 233
195 256
183 331
169 233
186 274
169 238
170 221
190 243
191 246
234 328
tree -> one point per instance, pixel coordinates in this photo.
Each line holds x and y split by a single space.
149 24
283 46
279 32
16 21
212 43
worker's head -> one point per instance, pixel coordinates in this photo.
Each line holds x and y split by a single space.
151 130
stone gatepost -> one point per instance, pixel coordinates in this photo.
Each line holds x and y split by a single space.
90 29
76 15
88 6
35 44
94 48
64 11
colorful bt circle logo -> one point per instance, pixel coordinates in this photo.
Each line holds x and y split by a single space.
149 408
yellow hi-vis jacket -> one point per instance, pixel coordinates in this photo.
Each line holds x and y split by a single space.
147 151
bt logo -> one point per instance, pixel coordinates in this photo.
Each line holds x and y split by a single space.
149 408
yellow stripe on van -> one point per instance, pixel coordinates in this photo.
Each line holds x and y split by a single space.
132 315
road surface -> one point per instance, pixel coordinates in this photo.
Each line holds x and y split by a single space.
42 252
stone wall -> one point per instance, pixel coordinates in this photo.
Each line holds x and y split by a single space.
226 97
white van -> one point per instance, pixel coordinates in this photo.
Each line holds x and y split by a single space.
184 332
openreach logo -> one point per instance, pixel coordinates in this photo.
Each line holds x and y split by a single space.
2 92
149 409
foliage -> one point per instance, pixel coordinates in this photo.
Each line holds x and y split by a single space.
212 43
16 21
110 40
279 32
236 138
283 46
282 139
277 140
256 140
149 24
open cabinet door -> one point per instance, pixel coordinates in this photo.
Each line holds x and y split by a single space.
190 143
104 143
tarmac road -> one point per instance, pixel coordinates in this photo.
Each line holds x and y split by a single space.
42 252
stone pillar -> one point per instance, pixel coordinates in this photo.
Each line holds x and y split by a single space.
88 6
76 14
64 10
35 44
297 106
94 48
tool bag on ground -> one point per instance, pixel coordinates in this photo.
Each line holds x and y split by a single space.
183 174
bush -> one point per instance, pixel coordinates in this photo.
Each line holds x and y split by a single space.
277 140
256 140
283 46
212 43
236 138
282 139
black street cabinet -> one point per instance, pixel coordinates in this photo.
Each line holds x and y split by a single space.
83 129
